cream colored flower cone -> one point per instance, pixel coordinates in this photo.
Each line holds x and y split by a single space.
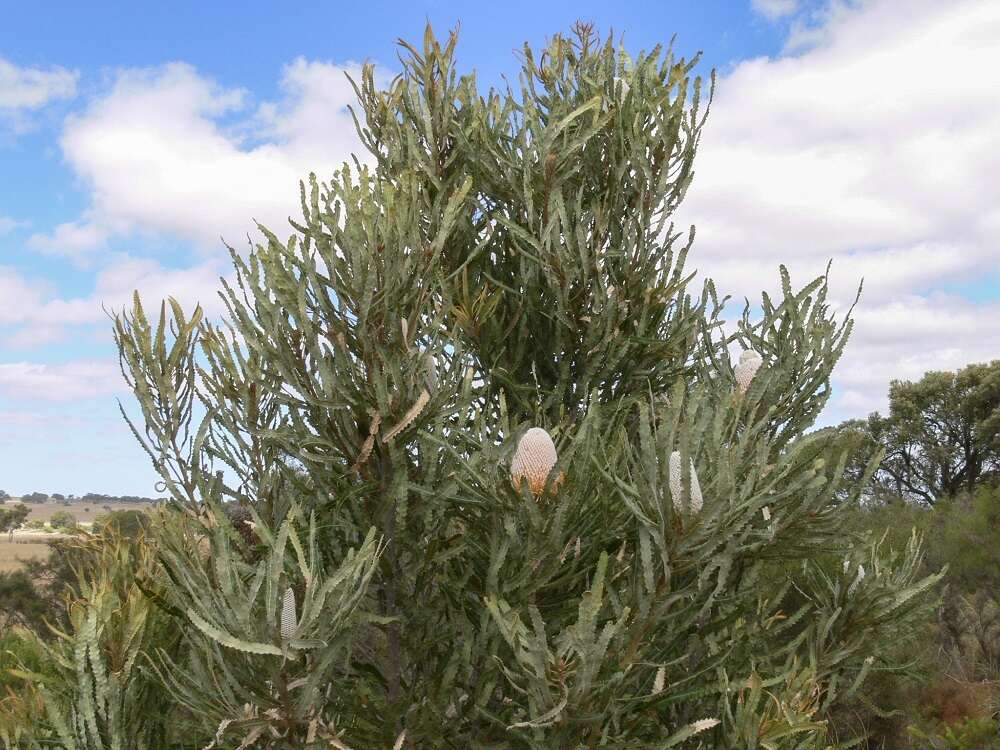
533 460
750 363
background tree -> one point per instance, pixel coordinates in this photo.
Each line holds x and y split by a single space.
63 519
499 296
11 517
34 497
20 603
940 438
128 524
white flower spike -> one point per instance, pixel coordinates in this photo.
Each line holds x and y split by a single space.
750 363
676 484
857 580
661 680
288 617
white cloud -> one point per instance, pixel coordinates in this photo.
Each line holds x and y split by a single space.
775 9
876 146
816 27
905 338
70 381
20 418
18 296
41 317
8 224
71 238
170 152
34 336
190 286
31 88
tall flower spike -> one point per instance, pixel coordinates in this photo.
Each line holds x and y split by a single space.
857 580
676 484
661 680
533 460
288 618
750 362
407 420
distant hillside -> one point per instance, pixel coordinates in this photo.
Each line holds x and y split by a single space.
91 498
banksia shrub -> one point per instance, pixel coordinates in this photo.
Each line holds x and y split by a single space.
533 460
522 238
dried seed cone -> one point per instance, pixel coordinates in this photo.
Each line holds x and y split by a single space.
430 372
288 619
533 460
750 362
676 484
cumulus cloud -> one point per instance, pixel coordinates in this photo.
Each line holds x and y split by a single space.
71 238
19 295
775 9
39 316
871 141
8 224
904 339
168 151
873 146
70 381
31 88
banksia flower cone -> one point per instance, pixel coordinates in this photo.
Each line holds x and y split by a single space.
750 362
676 485
533 460
288 619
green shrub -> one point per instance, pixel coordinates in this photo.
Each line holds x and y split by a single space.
971 734
20 603
504 263
63 519
92 686
128 523
21 706
19 650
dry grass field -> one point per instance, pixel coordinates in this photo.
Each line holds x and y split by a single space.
32 544
13 554
84 512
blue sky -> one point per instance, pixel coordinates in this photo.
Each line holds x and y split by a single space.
133 135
